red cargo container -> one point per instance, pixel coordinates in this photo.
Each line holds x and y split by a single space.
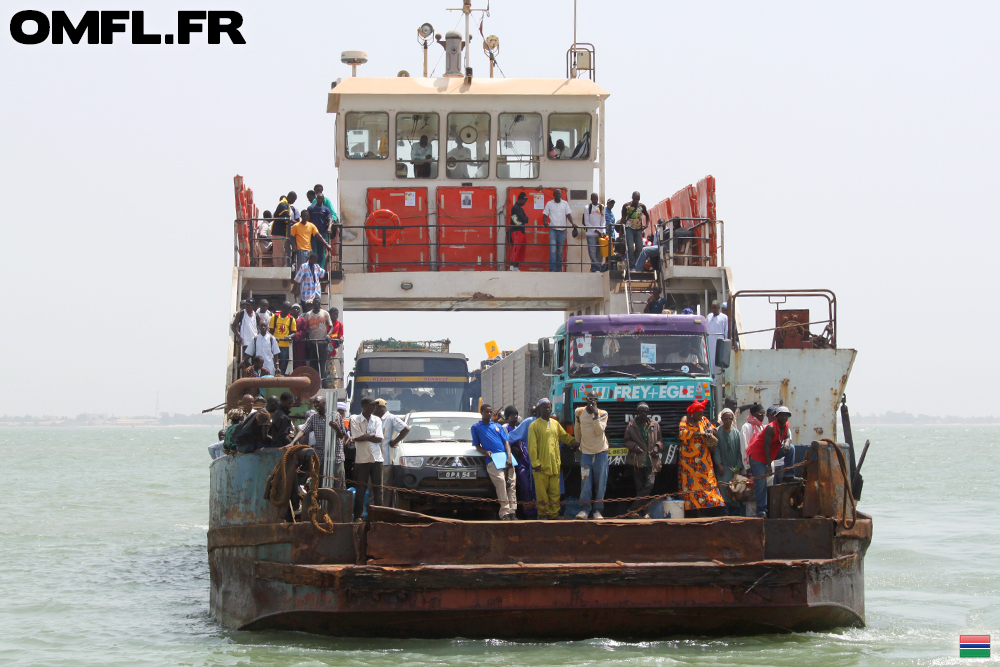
536 255
412 250
466 228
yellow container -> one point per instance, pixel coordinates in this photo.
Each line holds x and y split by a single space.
603 245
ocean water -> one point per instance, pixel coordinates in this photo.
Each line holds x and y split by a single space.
103 562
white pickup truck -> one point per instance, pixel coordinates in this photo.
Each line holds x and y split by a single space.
437 455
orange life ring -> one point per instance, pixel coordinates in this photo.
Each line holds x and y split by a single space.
383 218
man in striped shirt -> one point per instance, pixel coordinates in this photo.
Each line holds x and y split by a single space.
316 424
308 277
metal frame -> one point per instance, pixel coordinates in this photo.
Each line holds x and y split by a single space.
830 297
572 71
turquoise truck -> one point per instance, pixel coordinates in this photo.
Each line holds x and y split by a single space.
661 360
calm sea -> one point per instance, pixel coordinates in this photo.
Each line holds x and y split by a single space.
102 562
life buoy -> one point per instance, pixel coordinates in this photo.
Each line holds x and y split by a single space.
383 218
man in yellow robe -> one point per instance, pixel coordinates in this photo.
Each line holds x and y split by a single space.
544 437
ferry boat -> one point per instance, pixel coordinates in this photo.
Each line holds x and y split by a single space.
428 169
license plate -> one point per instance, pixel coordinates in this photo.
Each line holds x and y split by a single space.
617 451
456 474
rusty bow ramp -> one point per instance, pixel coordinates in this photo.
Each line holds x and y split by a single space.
544 579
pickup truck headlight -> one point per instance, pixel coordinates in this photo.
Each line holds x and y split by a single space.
412 461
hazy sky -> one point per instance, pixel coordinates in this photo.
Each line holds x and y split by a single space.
855 146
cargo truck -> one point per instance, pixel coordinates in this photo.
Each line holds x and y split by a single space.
661 360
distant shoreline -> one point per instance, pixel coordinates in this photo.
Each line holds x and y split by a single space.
72 425
857 423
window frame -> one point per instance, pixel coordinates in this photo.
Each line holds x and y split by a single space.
435 161
590 131
533 159
347 149
480 160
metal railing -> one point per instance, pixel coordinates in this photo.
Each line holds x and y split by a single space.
330 367
265 250
395 248
826 339
466 246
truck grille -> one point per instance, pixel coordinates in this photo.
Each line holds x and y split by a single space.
669 412
456 461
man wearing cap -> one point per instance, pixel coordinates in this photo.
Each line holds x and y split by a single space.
768 445
394 430
697 471
728 459
644 442
366 431
490 438
590 424
718 328
544 436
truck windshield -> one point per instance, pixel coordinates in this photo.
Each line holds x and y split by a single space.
638 354
410 397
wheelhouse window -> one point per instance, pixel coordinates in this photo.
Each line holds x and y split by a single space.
468 146
367 135
519 145
417 145
569 136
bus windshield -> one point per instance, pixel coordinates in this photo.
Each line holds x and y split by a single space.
638 353
401 398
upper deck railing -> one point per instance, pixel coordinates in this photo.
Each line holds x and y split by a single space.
479 246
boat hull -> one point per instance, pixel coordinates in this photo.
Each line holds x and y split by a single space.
281 585
404 574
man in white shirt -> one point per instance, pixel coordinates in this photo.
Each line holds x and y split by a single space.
246 324
462 156
265 346
366 432
593 225
394 430
556 214
421 155
718 328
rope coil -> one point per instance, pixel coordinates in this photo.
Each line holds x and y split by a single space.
278 489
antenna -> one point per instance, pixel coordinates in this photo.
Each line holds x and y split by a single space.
467 10
354 58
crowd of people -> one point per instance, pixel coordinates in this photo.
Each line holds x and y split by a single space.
625 239
290 236
524 460
276 343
